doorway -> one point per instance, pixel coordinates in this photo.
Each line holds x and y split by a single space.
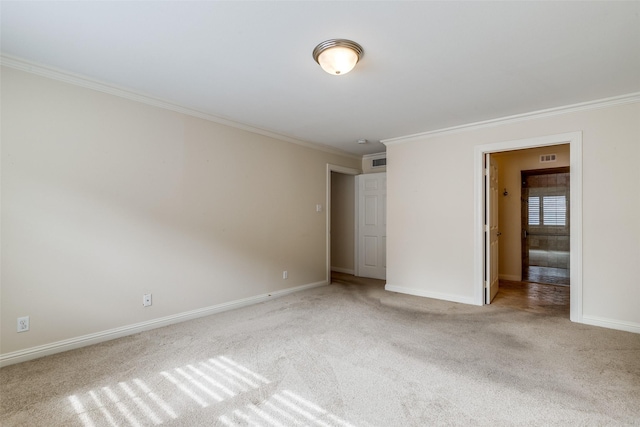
545 218
574 139
343 223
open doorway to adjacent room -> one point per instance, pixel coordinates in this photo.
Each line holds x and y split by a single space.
534 222
340 219
545 222
539 217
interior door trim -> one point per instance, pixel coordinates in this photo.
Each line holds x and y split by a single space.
574 139
524 236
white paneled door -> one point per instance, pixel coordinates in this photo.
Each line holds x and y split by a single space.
491 229
372 225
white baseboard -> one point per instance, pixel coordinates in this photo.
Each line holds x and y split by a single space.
85 340
510 277
429 294
343 270
611 324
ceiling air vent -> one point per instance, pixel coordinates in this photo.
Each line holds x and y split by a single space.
546 158
378 163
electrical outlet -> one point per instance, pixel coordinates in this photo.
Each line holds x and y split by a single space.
146 300
285 274
23 324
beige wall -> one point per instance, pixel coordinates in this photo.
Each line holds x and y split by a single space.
510 164
366 163
342 222
104 199
431 209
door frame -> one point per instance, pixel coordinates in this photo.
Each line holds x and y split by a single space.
524 240
346 171
574 139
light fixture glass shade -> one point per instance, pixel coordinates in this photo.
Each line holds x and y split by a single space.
338 56
338 60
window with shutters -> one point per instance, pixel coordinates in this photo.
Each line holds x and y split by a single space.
548 210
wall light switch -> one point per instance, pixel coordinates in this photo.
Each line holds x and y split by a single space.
318 208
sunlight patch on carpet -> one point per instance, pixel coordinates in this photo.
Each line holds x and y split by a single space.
194 387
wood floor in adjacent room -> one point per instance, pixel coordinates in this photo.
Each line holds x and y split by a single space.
540 298
548 299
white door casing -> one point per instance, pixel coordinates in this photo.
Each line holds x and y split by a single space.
574 139
371 206
491 228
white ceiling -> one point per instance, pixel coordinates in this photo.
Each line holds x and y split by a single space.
427 65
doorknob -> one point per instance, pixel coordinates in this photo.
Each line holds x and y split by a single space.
499 234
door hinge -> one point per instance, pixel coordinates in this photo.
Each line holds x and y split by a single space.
486 284
486 227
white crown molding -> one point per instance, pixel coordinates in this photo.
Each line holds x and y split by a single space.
583 106
86 340
89 83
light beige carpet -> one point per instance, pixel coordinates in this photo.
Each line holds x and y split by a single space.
340 355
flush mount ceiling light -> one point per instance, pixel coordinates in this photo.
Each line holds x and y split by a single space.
338 56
